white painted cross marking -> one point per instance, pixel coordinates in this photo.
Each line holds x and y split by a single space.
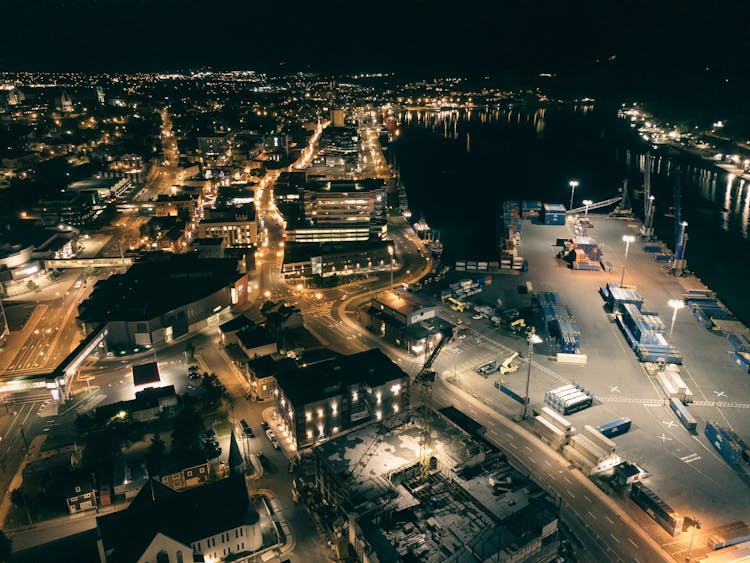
669 423
614 389
720 394
664 438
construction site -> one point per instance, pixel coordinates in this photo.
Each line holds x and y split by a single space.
466 503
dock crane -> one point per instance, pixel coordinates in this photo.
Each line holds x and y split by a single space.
423 383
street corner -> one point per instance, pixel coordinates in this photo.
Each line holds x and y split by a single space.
279 433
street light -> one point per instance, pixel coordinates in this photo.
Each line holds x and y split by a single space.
532 339
696 524
390 251
587 202
676 304
627 239
573 185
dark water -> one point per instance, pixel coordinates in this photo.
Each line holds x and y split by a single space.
457 168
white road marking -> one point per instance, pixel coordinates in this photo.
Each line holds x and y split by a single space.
614 538
587 498
512 445
609 520
591 514
571 494
631 541
531 459
669 423
528 449
690 458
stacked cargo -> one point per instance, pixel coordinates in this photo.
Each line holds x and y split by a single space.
583 253
569 399
554 213
659 510
617 296
709 311
558 322
741 350
531 209
552 428
727 443
462 289
615 427
509 236
673 385
644 333
591 451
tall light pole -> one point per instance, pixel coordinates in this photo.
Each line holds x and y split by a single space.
573 184
390 251
532 339
676 304
627 239
587 202
696 524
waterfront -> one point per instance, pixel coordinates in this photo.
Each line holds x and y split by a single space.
474 159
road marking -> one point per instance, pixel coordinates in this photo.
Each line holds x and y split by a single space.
528 449
720 394
590 514
690 458
568 481
634 544
494 433
509 435
669 423
531 459
548 463
512 445
614 538
571 494
587 498
608 520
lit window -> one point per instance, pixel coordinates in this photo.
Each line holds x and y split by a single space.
396 388
308 416
378 415
355 396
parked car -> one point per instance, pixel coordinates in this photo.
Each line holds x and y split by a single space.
271 434
264 425
194 372
246 429
262 459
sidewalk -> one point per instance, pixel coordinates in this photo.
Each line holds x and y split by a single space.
276 515
276 425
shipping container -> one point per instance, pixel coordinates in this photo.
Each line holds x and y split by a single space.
683 414
556 419
727 447
599 439
660 511
584 403
615 427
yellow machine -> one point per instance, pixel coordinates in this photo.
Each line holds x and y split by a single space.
508 366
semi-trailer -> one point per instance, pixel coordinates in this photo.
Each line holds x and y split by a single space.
683 414
615 427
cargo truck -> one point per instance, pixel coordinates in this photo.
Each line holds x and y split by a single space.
615 427
485 370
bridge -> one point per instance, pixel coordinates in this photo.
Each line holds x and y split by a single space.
57 381
88 263
597 205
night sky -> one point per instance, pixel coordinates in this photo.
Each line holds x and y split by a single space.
654 43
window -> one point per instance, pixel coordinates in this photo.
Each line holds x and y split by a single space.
236 534
241 531
162 557
179 557
202 469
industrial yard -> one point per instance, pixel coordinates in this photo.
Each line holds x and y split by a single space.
681 467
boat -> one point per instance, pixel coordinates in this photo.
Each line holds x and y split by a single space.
436 247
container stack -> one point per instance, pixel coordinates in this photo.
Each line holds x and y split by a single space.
710 312
741 350
531 210
509 235
644 333
591 451
554 213
558 321
553 428
729 535
673 385
617 296
727 443
569 399
462 289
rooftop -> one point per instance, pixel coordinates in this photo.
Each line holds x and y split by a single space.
155 285
187 516
301 252
143 374
326 379
401 301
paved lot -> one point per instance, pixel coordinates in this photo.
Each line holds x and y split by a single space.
685 469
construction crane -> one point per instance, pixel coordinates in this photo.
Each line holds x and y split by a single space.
597 205
423 383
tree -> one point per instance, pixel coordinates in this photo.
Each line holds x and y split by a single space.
5 548
189 352
154 455
186 437
19 499
213 390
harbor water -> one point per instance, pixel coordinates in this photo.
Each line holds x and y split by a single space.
458 166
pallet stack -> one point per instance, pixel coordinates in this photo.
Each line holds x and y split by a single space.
672 384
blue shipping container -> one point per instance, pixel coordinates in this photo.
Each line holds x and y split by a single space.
683 414
728 449
615 427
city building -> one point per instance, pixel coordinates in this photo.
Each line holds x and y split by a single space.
209 247
463 503
306 260
178 475
162 297
105 188
256 341
341 201
236 225
337 117
262 372
66 209
405 319
322 400
211 522
185 205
